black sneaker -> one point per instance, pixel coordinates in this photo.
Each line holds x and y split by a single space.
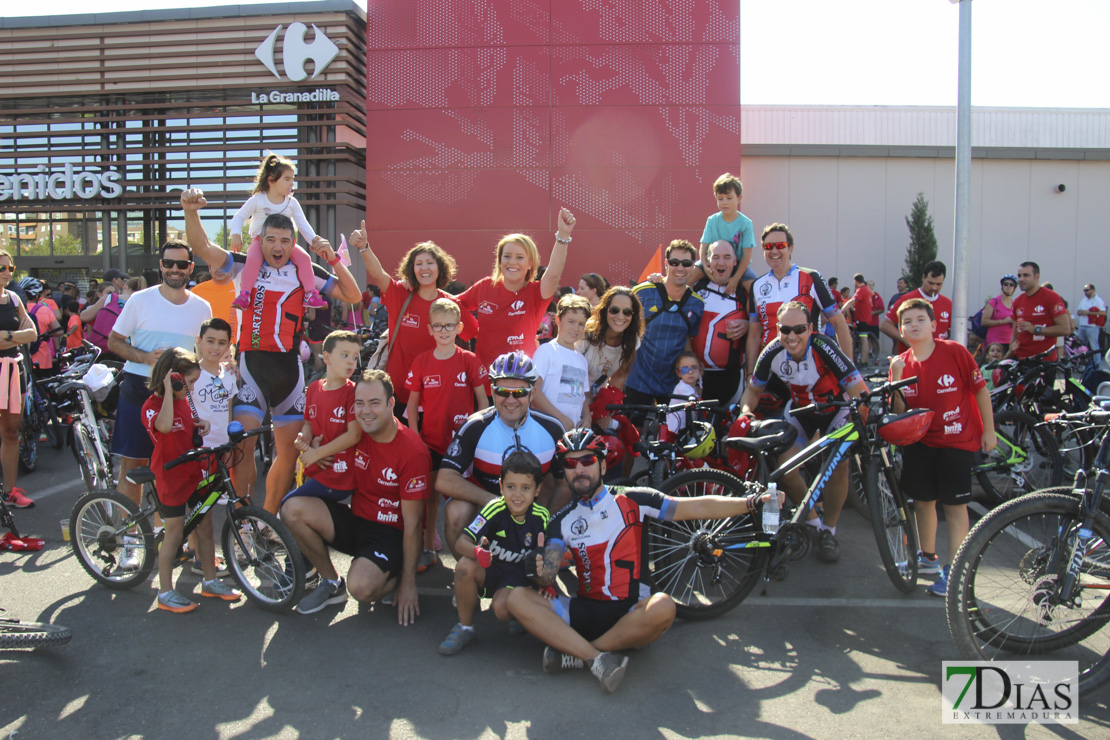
324 594
556 662
609 669
828 549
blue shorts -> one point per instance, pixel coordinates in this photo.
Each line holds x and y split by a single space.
316 489
130 439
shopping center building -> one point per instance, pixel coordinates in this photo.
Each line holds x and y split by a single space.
104 118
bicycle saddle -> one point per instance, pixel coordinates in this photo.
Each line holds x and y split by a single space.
771 435
140 476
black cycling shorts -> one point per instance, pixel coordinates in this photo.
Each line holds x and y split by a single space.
270 381
379 543
591 618
937 473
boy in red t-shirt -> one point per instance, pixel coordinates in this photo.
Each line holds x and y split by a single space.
449 383
939 466
169 421
329 416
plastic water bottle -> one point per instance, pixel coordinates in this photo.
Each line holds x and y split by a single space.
771 510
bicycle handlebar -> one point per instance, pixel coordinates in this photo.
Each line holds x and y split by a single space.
666 408
235 439
864 398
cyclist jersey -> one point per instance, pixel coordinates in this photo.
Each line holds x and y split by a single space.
605 534
821 375
712 345
274 322
446 389
387 473
510 541
942 314
947 381
799 284
481 443
330 413
508 320
1039 309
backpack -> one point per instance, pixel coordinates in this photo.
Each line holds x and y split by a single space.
34 346
669 305
975 323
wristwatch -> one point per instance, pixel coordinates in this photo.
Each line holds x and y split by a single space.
1037 329
11 337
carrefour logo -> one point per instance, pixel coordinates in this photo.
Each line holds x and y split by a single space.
295 55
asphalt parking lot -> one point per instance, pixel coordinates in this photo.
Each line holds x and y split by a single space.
834 651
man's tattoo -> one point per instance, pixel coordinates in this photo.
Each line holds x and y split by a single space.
552 561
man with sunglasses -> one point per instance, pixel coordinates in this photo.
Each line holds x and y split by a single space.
614 608
152 321
470 473
815 370
787 281
271 376
672 315
932 280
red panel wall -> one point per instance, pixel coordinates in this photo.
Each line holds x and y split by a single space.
484 117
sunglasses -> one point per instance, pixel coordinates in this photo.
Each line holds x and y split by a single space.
1009 285
687 369
6 268
443 327
798 329
179 264
684 263
613 311
511 392
585 461
768 246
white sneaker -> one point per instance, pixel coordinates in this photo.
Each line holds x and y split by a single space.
129 553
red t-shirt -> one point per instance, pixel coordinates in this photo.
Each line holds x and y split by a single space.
413 338
877 308
1039 309
862 305
330 412
942 314
509 320
174 487
946 383
387 473
446 390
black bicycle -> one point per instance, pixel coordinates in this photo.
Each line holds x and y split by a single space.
260 552
1033 576
710 566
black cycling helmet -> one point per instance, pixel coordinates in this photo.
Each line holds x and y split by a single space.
513 366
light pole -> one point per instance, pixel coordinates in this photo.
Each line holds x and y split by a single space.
962 253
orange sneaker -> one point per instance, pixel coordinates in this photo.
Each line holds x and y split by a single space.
172 601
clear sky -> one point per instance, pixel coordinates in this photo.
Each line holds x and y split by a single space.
1026 53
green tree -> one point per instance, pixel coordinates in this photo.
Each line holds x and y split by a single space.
68 244
923 242
222 236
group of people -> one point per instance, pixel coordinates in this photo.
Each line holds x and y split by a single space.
469 404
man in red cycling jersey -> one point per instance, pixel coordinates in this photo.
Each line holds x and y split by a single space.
814 370
271 377
614 608
932 280
1039 316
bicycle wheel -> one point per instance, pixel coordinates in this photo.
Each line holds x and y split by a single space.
857 493
85 452
16 635
270 569
51 427
998 602
30 429
1003 473
102 524
689 560
894 525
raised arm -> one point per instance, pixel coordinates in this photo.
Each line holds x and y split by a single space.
549 283
192 201
346 288
374 270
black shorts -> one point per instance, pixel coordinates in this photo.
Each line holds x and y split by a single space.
497 580
382 545
169 512
591 618
870 330
437 458
937 473
270 381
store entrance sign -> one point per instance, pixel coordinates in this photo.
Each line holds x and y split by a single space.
65 185
295 52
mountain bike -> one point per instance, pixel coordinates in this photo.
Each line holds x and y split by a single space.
90 437
1027 458
260 552
1033 576
710 566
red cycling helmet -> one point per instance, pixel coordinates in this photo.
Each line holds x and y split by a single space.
739 460
614 450
905 429
1002 371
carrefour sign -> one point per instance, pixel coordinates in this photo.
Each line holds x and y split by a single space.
65 185
295 55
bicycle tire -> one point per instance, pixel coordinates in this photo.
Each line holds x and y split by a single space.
85 452
16 635
894 525
50 424
993 604
704 585
1043 467
857 494
93 523
275 580
29 432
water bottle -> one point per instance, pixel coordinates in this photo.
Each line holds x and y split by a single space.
771 510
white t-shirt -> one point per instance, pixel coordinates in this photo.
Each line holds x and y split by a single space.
212 396
1086 305
151 322
564 378
258 207
676 420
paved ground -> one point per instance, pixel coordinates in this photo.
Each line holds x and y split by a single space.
834 651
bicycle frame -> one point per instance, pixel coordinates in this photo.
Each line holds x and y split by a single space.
841 440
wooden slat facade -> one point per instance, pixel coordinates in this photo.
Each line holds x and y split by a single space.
165 99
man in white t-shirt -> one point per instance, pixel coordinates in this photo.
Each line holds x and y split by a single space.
1091 315
152 321
561 389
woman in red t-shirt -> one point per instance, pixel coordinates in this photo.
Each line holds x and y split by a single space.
510 303
427 267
